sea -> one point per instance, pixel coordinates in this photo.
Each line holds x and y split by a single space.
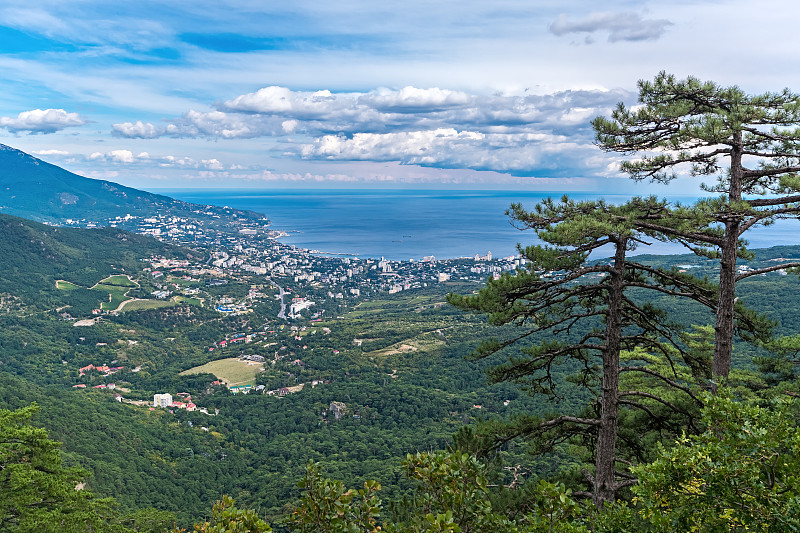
404 224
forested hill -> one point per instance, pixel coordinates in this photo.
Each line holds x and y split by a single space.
32 188
36 255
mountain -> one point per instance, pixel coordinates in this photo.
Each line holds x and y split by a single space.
34 189
38 255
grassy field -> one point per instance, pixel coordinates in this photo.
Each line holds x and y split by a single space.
66 285
394 305
116 288
118 281
140 305
424 342
115 295
232 371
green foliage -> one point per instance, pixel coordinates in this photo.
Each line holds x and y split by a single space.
749 143
226 518
583 315
451 493
44 254
740 474
328 507
37 493
680 118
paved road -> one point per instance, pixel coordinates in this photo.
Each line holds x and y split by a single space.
282 314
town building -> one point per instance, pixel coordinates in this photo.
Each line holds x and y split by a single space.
162 400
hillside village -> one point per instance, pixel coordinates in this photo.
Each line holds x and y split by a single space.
280 291
245 249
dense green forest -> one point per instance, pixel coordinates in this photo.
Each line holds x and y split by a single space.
572 393
398 401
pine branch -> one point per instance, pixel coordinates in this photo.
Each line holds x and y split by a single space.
766 269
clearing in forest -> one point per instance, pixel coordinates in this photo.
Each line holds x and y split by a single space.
423 342
233 371
141 305
66 285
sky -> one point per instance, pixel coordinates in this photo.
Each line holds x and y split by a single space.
353 93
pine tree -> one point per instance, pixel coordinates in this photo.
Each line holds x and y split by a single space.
749 143
585 311
37 493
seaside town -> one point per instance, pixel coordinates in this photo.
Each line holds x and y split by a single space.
245 248
248 272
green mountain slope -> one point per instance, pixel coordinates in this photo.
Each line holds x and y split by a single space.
34 189
36 255
31 188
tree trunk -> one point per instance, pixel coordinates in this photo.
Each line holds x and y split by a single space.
605 485
723 338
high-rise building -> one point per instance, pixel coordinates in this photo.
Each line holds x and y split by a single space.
162 400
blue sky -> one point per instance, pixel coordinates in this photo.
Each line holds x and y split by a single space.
451 93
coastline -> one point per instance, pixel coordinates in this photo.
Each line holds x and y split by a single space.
402 225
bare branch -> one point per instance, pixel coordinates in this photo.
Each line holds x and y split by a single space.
773 268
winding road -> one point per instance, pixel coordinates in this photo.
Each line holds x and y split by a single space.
282 313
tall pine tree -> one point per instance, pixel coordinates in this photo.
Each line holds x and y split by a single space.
749 143
583 315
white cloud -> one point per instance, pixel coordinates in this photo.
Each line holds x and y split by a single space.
41 121
137 130
411 99
121 156
289 126
624 26
281 101
434 127
212 164
449 148
277 111
173 161
218 124
50 152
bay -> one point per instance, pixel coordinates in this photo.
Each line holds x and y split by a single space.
410 224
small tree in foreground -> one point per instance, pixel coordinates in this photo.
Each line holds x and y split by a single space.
227 518
740 474
37 493
451 495
329 507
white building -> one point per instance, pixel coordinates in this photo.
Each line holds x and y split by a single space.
162 400
298 304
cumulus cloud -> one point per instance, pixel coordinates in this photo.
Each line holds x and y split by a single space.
276 100
127 157
218 124
447 147
623 26
433 127
50 152
41 121
414 100
212 164
121 156
137 130
277 111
